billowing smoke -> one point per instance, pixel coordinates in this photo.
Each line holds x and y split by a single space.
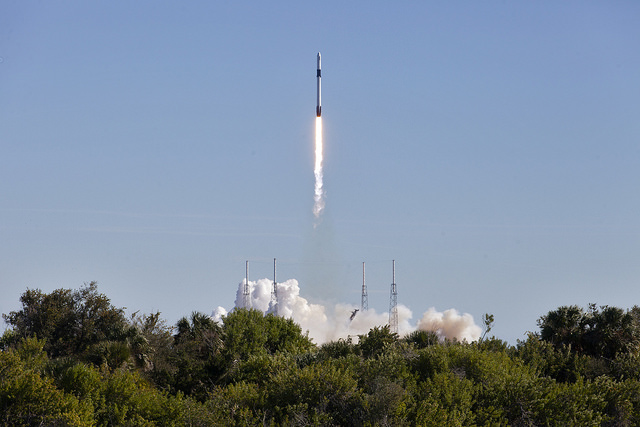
330 324
450 324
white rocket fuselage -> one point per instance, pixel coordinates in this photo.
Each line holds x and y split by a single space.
318 76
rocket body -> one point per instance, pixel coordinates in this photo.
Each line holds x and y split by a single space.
318 101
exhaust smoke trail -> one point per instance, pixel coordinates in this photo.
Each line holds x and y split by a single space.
318 197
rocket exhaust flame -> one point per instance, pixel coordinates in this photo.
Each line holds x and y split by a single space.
318 206
318 196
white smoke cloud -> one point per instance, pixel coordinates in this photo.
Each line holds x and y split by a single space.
450 324
218 314
330 324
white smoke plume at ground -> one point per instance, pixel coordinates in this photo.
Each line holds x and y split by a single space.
450 324
330 324
318 195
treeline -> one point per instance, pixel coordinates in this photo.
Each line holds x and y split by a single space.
70 358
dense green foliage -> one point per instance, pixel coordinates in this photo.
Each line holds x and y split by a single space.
69 358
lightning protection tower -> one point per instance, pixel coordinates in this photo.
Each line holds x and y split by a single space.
364 302
393 303
246 297
274 292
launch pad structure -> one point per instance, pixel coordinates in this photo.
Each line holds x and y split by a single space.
364 298
274 292
393 303
246 296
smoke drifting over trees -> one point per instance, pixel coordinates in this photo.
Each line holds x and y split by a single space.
450 325
326 324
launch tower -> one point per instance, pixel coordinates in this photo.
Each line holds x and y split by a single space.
393 303
274 292
364 301
246 297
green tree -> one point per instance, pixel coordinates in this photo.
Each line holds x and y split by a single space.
127 399
196 357
622 401
375 341
422 339
200 334
564 327
487 321
559 363
322 394
385 381
249 332
576 404
610 331
600 332
337 349
29 399
238 404
154 347
69 321
444 400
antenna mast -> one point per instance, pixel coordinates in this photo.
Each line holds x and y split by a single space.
274 292
364 302
393 303
246 298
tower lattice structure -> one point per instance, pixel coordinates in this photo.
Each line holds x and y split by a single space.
364 301
274 292
393 303
246 296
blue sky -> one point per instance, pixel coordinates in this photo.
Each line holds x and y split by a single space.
490 148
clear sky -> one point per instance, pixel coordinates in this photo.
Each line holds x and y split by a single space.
491 148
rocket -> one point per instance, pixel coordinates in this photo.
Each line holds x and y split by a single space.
318 75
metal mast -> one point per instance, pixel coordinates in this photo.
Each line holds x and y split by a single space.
364 302
246 297
393 303
274 292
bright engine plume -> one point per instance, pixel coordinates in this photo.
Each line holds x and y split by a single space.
318 197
